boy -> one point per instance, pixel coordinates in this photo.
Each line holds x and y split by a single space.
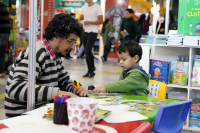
133 79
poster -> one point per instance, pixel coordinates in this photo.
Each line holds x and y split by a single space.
189 17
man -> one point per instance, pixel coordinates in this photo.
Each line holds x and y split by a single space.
68 55
129 28
91 17
4 36
60 38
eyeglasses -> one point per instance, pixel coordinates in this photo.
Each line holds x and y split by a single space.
71 41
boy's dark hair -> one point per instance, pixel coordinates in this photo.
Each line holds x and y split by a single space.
62 25
132 47
130 10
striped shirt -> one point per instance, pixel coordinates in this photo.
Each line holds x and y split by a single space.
4 19
49 75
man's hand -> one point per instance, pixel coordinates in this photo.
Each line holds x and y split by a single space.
99 89
126 33
122 32
81 24
87 22
83 91
162 30
66 93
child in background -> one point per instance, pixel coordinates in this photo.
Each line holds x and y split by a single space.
133 79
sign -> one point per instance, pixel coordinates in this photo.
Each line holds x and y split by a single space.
188 17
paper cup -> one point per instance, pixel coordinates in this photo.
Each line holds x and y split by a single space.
81 113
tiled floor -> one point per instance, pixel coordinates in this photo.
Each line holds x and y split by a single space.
105 73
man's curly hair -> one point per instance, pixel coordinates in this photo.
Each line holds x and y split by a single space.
62 25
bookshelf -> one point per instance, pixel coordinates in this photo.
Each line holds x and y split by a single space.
170 53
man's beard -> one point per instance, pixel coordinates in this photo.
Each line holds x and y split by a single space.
61 55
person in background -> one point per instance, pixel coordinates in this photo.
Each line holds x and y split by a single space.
4 36
147 23
107 41
129 28
91 17
133 79
172 24
51 78
68 54
140 25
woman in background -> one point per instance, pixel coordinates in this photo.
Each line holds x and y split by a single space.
172 24
147 23
106 31
140 24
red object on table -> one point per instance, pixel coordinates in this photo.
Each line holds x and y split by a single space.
127 127
2 126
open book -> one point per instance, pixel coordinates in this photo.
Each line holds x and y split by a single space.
100 114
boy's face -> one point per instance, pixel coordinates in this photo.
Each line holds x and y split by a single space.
126 61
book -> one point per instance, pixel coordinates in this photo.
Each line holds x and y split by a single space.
191 40
159 70
100 114
179 73
188 17
195 81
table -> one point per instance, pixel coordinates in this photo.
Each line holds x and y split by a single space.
150 115
34 123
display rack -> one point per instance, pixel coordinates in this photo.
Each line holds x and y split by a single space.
170 53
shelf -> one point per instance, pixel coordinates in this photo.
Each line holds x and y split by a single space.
169 45
195 88
193 129
176 86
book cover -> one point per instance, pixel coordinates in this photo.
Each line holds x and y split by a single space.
195 79
179 73
188 17
159 70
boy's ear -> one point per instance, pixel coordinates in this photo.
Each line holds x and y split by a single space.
136 58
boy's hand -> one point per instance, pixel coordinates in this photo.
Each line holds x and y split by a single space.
99 89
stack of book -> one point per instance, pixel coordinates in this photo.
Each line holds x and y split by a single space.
175 40
191 40
147 39
161 39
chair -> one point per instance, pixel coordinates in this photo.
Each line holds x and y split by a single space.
161 90
170 118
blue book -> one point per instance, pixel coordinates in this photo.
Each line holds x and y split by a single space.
160 70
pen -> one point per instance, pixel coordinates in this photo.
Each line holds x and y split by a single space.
75 86
78 85
55 98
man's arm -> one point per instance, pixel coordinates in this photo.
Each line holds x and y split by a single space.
80 19
18 84
98 22
65 81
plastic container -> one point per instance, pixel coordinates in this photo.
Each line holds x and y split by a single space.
178 94
81 113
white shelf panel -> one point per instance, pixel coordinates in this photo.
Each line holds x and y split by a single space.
184 127
195 88
193 129
159 45
176 86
